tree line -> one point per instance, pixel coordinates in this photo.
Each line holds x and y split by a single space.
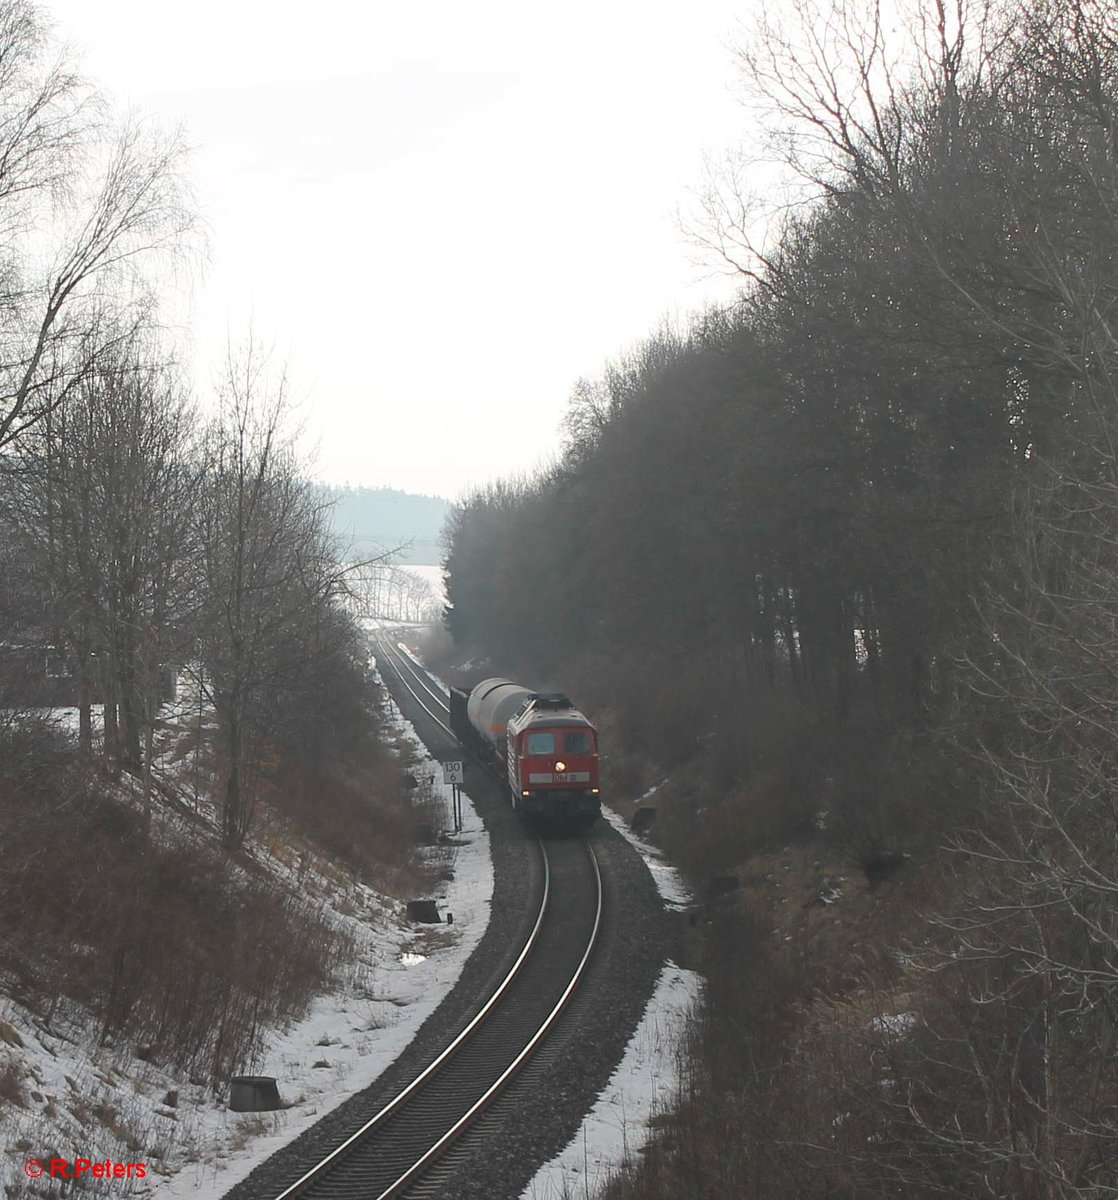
137 533
850 543
147 537
820 479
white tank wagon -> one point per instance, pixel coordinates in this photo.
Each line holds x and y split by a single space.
491 704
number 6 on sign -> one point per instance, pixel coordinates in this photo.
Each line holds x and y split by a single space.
454 772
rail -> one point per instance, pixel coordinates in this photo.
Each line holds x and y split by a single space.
403 666
509 1048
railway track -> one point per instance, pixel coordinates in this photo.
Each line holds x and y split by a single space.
394 1149
427 692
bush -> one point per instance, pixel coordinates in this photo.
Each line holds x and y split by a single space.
359 810
168 944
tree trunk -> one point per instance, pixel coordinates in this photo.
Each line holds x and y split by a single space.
149 740
233 814
111 746
85 706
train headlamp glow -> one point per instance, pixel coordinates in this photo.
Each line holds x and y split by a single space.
560 766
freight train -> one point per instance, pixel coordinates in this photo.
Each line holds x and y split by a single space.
537 743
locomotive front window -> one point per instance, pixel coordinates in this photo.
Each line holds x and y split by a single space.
576 743
541 743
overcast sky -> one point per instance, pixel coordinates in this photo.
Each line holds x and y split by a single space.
440 215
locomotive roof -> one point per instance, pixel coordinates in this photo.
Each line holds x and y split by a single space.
531 715
571 717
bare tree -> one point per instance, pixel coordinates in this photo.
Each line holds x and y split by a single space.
267 572
76 193
382 590
104 503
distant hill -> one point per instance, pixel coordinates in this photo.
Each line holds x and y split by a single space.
372 520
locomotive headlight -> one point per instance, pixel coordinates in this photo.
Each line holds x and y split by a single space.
560 766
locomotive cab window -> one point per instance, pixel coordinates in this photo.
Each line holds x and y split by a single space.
577 742
541 743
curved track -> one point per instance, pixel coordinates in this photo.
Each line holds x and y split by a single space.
396 1145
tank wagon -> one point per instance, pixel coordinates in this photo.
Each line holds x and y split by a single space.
537 743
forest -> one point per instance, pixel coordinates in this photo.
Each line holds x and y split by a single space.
834 568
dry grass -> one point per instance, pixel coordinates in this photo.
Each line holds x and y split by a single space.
11 1085
802 956
362 813
251 1127
825 1056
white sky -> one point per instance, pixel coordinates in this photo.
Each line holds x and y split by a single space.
440 214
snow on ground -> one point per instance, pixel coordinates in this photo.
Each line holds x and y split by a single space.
648 1079
94 1100
645 1084
669 882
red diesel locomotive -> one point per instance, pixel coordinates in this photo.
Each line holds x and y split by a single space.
537 742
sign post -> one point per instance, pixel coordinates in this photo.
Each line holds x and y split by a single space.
454 773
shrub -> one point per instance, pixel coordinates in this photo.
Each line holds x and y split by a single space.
169 944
